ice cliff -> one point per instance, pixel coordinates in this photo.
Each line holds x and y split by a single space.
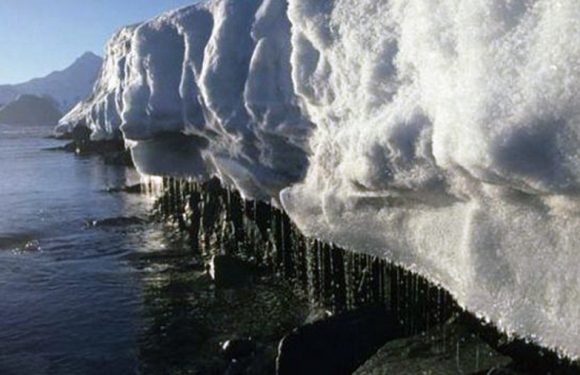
205 90
442 135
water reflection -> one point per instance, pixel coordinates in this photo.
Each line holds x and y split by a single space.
187 319
68 303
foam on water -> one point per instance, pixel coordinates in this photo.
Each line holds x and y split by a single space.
441 135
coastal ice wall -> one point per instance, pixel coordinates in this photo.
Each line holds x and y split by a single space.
441 135
205 90
448 141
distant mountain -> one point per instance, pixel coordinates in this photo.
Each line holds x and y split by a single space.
67 87
30 110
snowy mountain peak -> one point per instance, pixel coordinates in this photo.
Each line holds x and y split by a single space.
87 60
89 55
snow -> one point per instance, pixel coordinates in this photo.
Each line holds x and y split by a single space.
66 87
443 136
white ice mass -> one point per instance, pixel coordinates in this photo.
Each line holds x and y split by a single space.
442 135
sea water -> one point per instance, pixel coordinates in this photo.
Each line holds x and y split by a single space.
70 299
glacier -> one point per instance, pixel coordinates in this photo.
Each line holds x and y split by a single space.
441 135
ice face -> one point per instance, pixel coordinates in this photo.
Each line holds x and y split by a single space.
214 81
440 135
447 141
101 111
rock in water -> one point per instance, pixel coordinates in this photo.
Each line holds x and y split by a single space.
338 345
117 222
30 110
129 189
236 349
448 349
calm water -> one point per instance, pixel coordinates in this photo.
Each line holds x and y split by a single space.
76 299
70 296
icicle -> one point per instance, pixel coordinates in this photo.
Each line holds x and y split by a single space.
219 221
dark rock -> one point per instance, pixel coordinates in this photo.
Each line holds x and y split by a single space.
338 345
238 348
230 272
499 371
117 222
129 189
113 152
134 189
528 358
122 158
236 368
70 147
81 134
253 359
451 348
99 147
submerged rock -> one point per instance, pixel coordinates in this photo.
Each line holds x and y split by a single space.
129 189
230 272
448 349
499 371
112 151
236 349
338 345
122 158
81 134
117 222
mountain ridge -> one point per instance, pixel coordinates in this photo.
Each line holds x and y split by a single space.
67 86
30 110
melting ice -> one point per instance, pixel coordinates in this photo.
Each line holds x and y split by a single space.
442 135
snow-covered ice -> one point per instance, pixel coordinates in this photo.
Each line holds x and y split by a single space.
205 90
443 136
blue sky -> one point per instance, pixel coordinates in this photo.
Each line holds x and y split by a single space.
40 36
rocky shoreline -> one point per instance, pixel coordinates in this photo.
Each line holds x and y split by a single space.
422 321
239 246
112 151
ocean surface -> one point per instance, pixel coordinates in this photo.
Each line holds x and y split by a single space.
71 295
